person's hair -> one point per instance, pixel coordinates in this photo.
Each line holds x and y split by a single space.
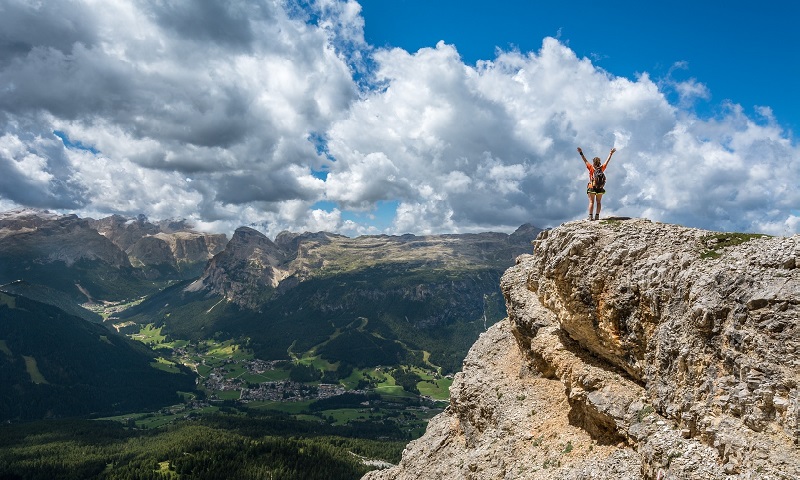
596 161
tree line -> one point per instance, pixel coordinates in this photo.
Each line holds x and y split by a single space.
217 447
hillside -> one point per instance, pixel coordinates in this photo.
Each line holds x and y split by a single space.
51 296
631 350
367 301
53 364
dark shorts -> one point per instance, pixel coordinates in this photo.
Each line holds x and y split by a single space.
595 191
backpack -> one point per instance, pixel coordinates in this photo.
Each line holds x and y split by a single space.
599 178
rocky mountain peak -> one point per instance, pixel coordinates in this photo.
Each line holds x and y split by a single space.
246 271
170 243
247 242
247 234
45 237
525 231
253 268
632 349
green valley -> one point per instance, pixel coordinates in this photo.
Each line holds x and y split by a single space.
315 349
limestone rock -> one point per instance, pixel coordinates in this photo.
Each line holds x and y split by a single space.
649 349
44 237
247 271
171 242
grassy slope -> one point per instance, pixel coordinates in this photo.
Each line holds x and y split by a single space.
53 297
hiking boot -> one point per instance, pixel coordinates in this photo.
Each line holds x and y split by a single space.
590 217
597 216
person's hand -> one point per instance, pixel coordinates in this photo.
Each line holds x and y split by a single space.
613 150
579 150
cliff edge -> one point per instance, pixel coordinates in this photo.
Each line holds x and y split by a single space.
632 349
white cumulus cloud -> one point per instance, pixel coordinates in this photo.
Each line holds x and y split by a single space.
278 115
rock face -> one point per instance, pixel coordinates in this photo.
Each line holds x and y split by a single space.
44 237
247 271
166 243
632 349
123 231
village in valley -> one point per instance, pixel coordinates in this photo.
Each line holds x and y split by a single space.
230 377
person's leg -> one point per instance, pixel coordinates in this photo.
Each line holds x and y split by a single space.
591 205
599 205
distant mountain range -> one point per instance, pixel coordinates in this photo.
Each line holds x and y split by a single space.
366 301
350 302
109 259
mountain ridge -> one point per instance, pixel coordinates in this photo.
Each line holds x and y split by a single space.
111 259
263 266
172 244
302 290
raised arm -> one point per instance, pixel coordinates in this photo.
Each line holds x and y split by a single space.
584 158
609 157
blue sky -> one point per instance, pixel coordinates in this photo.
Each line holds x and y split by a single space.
743 51
401 116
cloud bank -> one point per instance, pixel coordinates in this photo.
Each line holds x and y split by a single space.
278 114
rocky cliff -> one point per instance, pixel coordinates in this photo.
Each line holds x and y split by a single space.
171 243
247 271
45 237
632 349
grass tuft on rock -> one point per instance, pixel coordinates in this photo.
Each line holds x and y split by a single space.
712 244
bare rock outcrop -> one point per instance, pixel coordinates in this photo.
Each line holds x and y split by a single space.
166 243
247 271
640 350
43 237
124 231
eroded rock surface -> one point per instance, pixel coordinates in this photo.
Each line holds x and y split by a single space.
170 242
44 237
632 349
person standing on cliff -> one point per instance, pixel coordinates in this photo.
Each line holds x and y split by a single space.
597 180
